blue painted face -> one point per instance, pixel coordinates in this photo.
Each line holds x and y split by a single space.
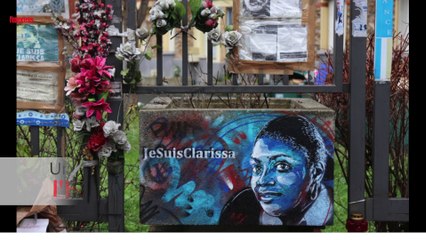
279 175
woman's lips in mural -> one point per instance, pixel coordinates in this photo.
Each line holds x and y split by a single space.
268 196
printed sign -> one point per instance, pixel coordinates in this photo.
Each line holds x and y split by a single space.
359 22
36 43
340 5
236 167
383 41
42 7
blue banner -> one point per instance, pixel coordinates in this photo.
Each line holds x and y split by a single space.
33 118
384 18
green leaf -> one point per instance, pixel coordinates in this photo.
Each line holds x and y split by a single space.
180 9
148 54
229 28
138 77
104 95
124 72
195 6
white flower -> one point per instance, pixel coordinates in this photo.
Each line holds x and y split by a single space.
127 52
80 111
156 13
91 123
161 23
166 4
110 128
215 36
142 33
205 12
106 150
220 12
119 137
131 36
140 104
125 147
231 39
213 16
78 125
119 56
112 71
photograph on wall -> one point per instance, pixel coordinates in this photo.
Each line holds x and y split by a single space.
37 43
273 41
42 7
271 8
236 168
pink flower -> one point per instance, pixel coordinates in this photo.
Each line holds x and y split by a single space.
71 85
75 64
97 108
97 65
211 23
207 4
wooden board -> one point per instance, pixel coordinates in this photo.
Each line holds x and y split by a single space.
40 66
236 65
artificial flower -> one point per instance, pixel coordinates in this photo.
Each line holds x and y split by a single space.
96 141
119 137
125 147
110 127
215 36
71 85
106 150
97 108
78 124
231 39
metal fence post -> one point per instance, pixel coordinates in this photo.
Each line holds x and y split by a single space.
357 120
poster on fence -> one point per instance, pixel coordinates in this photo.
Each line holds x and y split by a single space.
236 167
277 36
37 43
43 7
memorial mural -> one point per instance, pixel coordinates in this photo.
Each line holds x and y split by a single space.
236 167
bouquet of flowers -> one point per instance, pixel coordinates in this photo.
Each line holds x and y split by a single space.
166 15
90 86
207 16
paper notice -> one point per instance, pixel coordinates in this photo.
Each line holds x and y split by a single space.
292 43
271 8
33 225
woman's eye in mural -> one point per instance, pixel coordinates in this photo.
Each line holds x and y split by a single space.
283 166
257 169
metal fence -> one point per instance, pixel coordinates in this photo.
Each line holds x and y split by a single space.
91 207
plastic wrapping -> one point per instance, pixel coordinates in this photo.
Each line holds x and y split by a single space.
276 41
271 8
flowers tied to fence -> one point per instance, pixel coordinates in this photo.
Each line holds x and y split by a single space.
229 38
168 14
207 16
89 86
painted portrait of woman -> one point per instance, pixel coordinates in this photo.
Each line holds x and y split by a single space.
288 162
